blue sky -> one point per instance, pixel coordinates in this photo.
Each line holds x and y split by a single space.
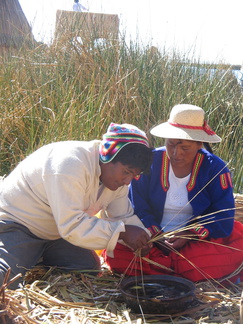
210 29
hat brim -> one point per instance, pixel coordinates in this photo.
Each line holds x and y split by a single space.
165 130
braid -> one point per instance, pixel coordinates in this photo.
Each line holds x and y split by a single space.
207 147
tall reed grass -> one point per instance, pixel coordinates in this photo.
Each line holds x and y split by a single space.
68 91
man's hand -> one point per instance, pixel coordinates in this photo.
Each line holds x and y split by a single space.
143 252
135 237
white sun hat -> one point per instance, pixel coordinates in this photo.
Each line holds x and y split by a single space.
186 122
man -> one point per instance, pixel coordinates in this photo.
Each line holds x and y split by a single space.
78 7
49 201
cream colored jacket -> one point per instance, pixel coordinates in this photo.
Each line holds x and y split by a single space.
55 192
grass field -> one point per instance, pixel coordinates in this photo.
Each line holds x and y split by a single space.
69 91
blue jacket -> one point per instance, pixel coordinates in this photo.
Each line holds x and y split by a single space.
209 191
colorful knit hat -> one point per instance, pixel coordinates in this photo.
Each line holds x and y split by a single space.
117 136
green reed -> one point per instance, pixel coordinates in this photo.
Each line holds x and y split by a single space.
68 91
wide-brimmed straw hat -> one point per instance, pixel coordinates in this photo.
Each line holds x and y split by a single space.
186 122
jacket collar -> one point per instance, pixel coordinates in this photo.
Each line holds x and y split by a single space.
165 171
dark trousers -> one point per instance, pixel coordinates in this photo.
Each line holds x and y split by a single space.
21 250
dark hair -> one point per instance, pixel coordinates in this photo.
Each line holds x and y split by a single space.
207 147
135 155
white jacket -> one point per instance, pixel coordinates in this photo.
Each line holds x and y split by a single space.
55 192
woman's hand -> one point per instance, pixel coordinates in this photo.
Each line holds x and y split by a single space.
162 245
174 242
178 240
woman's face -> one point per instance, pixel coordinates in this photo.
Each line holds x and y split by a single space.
182 152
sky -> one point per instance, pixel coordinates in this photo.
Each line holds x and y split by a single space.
210 30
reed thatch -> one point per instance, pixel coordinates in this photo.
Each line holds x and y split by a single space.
52 297
15 30
86 25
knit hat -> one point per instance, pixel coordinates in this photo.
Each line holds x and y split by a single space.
186 122
117 136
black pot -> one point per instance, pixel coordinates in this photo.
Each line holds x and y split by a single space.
157 294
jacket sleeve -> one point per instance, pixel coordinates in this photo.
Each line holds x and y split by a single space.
222 207
139 193
218 217
66 198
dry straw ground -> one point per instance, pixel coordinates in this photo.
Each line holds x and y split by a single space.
51 296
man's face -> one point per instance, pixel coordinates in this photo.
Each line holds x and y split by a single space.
182 152
115 175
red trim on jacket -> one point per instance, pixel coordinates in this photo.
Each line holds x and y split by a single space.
229 179
223 181
196 166
165 172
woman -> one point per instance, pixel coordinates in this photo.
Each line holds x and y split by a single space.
187 204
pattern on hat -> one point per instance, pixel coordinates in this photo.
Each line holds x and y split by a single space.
117 136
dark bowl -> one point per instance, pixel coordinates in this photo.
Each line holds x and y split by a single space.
157 294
